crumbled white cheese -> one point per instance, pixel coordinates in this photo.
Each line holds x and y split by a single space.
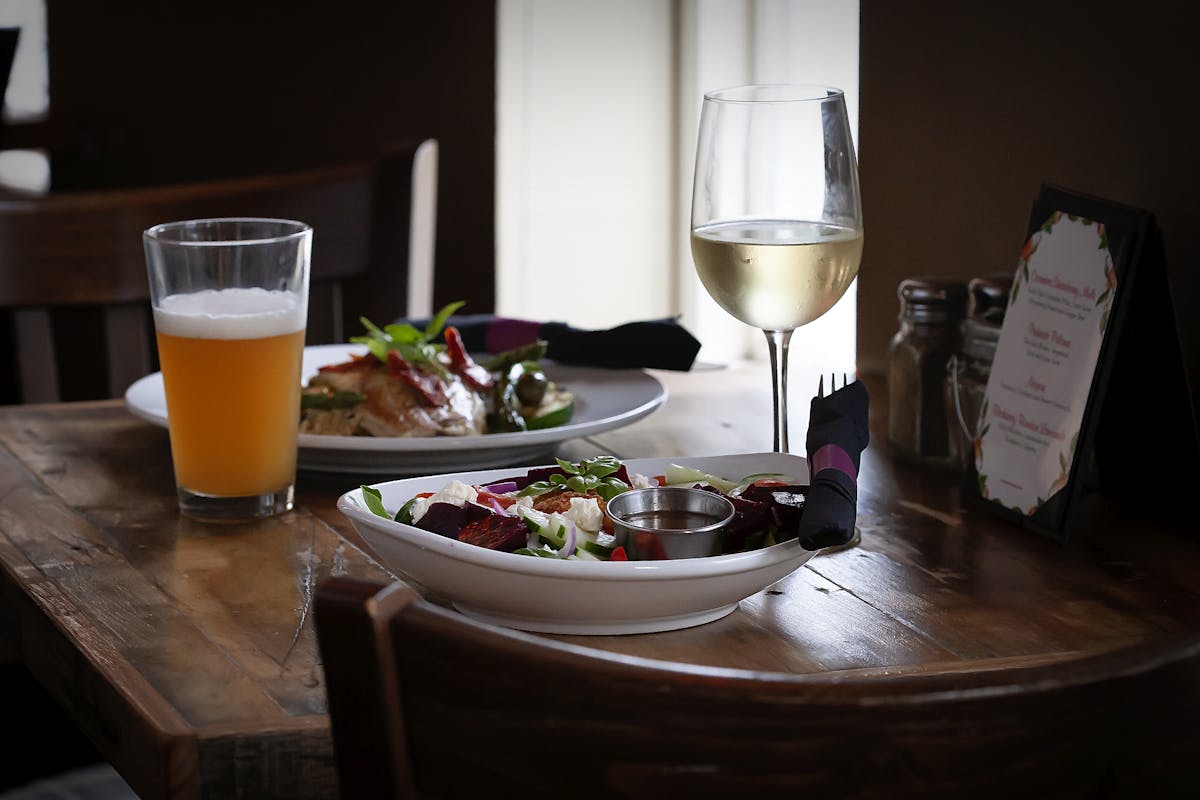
418 508
585 513
641 481
455 492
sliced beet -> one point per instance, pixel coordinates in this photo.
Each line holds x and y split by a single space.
761 492
786 503
542 474
474 511
445 519
496 533
749 517
787 507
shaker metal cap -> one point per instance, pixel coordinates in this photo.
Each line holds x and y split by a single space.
989 298
932 299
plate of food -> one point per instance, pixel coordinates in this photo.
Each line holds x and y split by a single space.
533 549
398 401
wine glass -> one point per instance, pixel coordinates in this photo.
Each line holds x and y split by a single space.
777 229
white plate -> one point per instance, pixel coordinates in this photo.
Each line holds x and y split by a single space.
578 597
604 399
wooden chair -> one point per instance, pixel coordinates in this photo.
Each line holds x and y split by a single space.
8 51
72 252
424 701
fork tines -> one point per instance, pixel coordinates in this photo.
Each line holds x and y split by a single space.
833 387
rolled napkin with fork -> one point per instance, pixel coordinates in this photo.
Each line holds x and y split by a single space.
654 344
837 435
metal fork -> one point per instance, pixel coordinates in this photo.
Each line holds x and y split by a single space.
833 387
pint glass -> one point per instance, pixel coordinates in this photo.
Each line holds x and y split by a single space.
230 301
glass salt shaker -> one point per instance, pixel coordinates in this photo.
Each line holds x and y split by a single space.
931 311
968 371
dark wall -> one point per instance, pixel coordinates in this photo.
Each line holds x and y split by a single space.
162 92
967 108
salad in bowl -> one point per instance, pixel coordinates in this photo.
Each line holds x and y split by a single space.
480 541
559 511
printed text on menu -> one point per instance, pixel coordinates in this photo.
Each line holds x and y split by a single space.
1030 420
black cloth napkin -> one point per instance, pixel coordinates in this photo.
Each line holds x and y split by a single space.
837 435
655 344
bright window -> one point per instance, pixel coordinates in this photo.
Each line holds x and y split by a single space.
27 96
597 110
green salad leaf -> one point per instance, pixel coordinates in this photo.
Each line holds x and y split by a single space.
374 502
413 345
591 474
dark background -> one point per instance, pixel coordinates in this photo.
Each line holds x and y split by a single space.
144 93
164 92
967 108
147 92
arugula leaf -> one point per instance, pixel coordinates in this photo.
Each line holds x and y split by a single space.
414 346
374 502
403 333
600 466
536 488
376 340
610 488
405 513
589 475
435 325
373 329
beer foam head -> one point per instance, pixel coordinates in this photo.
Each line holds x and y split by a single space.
230 314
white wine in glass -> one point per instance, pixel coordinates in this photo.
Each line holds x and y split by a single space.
777 230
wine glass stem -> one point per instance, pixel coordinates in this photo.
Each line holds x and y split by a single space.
777 346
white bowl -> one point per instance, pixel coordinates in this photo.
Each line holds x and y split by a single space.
578 597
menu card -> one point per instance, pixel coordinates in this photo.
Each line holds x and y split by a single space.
1041 377
1068 402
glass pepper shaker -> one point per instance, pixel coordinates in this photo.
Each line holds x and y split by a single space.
931 311
968 371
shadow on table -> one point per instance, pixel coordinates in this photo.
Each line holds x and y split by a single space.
49 758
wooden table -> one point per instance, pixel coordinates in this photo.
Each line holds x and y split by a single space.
186 652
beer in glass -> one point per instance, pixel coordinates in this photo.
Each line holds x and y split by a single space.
230 301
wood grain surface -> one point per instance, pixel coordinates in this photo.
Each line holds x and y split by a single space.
186 652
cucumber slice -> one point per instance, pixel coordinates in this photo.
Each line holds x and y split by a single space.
534 520
676 474
556 539
758 476
556 409
594 548
535 551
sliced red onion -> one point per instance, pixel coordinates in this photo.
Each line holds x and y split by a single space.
495 506
503 487
569 548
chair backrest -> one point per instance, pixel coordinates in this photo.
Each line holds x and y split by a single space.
426 702
372 256
8 51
